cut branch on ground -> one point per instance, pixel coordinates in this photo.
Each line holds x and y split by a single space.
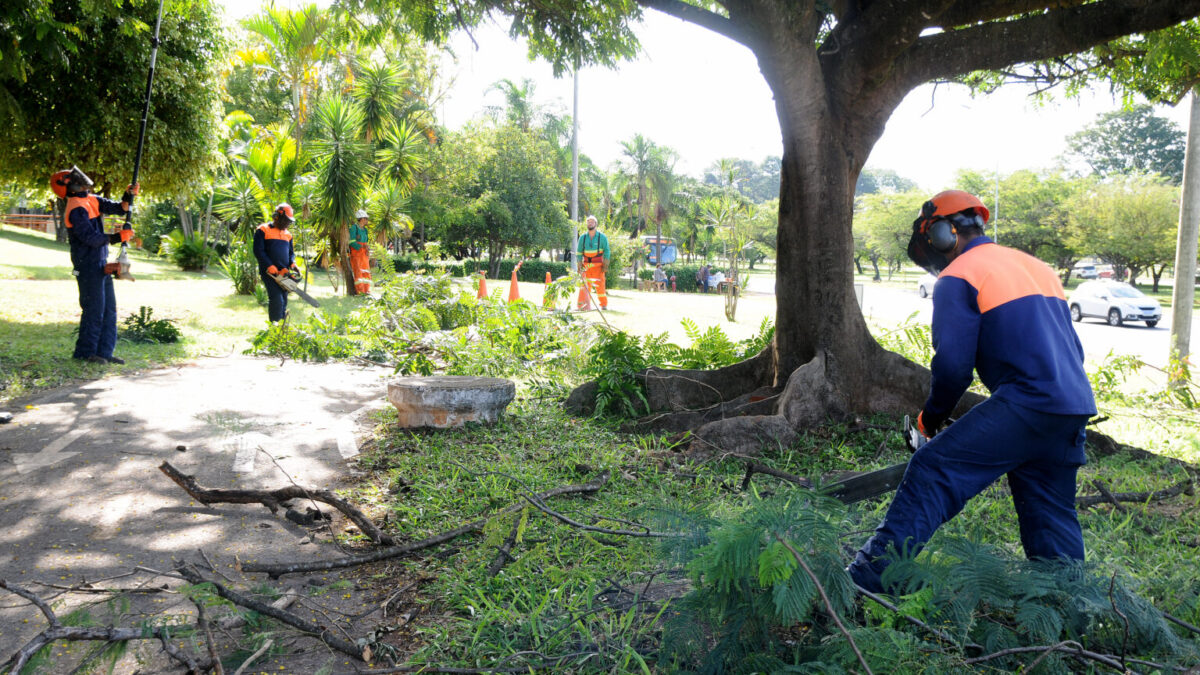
273 499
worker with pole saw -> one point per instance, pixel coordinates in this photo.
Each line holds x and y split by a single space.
84 220
1003 314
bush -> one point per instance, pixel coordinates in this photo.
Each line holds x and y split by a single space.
685 277
143 327
188 253
241 267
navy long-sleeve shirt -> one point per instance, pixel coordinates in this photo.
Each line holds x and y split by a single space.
1003 313
85 231
273 247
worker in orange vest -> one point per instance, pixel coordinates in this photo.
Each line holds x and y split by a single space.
593 261
360 257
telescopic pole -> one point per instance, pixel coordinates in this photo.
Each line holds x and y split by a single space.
137 159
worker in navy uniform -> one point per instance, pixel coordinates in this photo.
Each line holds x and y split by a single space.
1001 313
84 220
276 257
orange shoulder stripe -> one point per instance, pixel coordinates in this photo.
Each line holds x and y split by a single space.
274 233
89 203
1001 275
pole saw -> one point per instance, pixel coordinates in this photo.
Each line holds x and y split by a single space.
123 258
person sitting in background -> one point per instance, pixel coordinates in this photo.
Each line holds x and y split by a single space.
660 278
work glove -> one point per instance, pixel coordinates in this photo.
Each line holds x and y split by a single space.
273 271
121 236
929 424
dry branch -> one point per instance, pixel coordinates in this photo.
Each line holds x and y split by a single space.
277 570
1166 493
828 604
757 467
279 615
272 499
504 554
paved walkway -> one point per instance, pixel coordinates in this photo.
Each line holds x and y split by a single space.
81 496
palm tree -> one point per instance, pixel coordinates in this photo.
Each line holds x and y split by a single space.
343 169
379 90
519 108
293 47
404 154
724 215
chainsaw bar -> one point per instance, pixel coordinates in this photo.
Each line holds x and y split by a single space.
292 287
867 485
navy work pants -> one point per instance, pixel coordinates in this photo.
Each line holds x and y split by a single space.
1039 452
98 321
276 298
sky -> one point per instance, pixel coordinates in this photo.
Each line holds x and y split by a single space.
703 95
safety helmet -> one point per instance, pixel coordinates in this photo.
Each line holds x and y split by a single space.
949 202
70 181
360 214
284 210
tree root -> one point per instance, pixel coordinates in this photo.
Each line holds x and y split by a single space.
273 499
279 569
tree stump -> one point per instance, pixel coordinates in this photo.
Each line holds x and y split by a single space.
444 401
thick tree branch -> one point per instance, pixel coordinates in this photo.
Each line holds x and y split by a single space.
273 498
1181 487
703 18
879 34
966 12
995 45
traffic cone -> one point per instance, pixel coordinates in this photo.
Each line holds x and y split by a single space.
514 293
584 302
482 286
546 292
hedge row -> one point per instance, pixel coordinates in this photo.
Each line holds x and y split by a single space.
531 270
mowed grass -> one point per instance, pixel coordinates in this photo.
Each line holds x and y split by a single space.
39 315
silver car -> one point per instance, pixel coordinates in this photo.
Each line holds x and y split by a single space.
925 285
1114 301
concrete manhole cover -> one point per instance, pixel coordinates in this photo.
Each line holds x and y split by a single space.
443 401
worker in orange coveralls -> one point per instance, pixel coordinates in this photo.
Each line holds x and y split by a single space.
593 262
360 256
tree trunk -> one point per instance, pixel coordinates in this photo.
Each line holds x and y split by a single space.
1185 250
344 259
185 221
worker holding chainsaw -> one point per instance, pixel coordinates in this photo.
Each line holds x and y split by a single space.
360 256
276 258
84 220
1002 313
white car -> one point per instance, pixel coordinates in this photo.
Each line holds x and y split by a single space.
925 286
1115 302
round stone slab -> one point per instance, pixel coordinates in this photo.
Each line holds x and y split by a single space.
443 401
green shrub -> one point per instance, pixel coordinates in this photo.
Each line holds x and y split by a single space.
188 253
615 362
241 267
143 327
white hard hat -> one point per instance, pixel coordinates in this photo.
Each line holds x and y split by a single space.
360 214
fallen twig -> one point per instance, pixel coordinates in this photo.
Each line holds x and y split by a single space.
505 551
757 467
828 604
254 657
1074 649
1166 493
272 499
279 569
1108 495
57 631
278 614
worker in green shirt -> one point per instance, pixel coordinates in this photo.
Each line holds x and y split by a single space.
360 257
593 263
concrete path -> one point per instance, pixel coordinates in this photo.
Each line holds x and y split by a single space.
81 496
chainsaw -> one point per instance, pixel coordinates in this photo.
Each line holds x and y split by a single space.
882 481
288 283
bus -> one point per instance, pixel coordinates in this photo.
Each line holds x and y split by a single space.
667 245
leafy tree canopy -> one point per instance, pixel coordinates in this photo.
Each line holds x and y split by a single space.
1133 139
1130 223
84 105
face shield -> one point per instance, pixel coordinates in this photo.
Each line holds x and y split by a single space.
78 181
921 252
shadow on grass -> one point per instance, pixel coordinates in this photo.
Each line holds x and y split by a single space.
37 356
30 238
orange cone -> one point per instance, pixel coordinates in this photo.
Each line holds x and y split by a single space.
482 286
514 293
584 302
546 292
